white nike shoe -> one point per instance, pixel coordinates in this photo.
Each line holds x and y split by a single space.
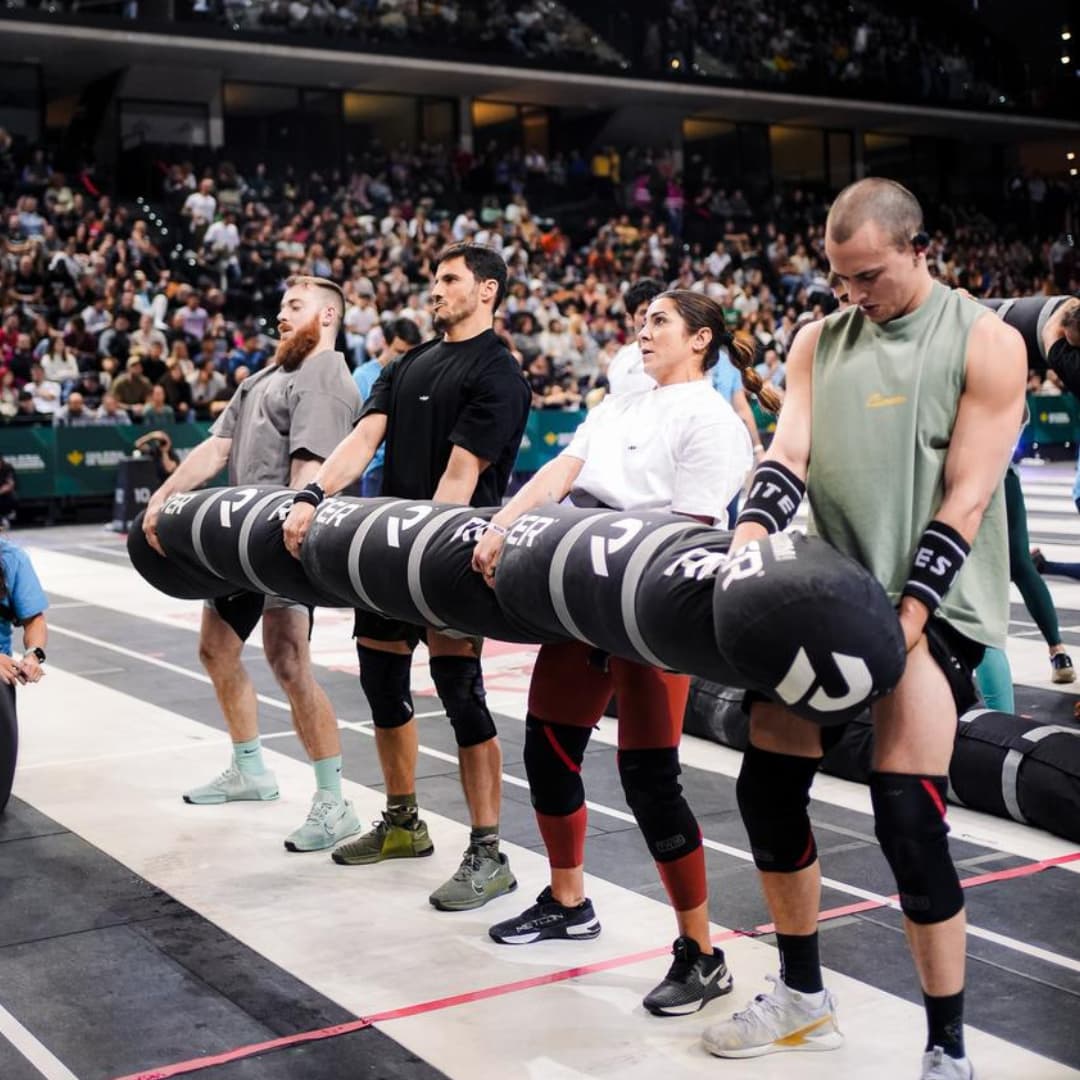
937 1065
783 1019
330 819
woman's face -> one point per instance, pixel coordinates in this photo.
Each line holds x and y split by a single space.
667 345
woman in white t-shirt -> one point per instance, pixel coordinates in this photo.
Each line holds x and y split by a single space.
677 447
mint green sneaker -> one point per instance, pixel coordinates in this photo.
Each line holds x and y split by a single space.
386 841
330 819
233 786
482 875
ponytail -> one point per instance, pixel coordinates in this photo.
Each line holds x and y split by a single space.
742 356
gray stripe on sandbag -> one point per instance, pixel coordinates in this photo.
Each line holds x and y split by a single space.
416 553
635 567
245 535
974 714
196 531
1010 785
558 568
1040 733
1045 312
1002 311
353 557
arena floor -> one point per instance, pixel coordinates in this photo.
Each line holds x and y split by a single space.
142 937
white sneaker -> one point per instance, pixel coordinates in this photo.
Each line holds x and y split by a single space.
233 786
937 1065
330 819
782 1019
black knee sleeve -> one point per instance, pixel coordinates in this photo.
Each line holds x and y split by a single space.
650 779
385 680
909 820
553 757
460 686
773 792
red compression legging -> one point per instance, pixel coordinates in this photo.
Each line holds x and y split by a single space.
569 687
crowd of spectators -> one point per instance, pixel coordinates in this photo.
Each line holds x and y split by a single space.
156 311
798 45
823 46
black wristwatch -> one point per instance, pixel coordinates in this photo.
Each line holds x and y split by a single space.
37 651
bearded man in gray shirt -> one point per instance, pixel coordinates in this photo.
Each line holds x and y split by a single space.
278 428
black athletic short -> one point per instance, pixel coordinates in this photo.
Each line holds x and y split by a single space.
242 610
957 656
379 628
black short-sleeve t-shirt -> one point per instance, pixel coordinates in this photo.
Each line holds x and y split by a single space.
444 394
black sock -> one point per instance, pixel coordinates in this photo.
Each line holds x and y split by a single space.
800 965
945 1023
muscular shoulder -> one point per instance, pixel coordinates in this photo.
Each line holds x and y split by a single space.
996 358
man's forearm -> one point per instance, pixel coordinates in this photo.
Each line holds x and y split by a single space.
35 633
346 464
199 466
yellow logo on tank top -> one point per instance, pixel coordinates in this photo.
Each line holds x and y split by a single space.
880 401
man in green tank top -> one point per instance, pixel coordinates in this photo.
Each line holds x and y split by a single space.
899 421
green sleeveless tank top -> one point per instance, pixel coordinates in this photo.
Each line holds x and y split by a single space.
884 404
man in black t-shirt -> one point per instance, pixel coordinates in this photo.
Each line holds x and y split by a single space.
452 413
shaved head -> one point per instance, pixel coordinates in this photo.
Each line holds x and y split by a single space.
885 203
330 292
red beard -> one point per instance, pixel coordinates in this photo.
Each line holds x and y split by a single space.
295 349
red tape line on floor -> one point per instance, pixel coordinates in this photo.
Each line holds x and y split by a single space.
253 1049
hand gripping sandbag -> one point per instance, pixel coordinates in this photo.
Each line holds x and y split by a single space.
594 570
265 561
522 580
808 627
175 576
236 533
443 585
179 529
413 564
675 604
1029 315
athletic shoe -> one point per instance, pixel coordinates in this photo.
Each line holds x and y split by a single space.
1062 668
484 873
235 786
692 981
783 1019
330 819
1039 559
387 840
547 918
937 1065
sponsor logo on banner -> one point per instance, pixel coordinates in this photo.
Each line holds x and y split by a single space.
26 462
96 459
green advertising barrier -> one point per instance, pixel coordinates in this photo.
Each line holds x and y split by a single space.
1055 419
74 462
87 458
31 452
548 432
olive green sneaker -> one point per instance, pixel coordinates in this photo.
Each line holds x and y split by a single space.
484 873
386 840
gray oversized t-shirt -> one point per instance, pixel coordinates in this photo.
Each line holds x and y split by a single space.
275 414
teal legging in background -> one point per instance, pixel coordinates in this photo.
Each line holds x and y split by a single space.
1022 570
994 677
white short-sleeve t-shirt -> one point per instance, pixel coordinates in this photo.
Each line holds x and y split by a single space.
679 448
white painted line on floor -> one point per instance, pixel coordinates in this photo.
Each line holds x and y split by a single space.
46 1063
1057 959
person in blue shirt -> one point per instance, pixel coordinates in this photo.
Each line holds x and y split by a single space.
23 603
401 336
727 381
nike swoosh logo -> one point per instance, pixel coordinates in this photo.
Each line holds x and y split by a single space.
880 401
798 1037
425 397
